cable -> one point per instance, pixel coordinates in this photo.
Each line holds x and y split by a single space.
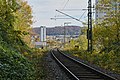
82 15
66 4
71 9
68 15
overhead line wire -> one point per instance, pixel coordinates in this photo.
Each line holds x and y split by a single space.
65 4
82 15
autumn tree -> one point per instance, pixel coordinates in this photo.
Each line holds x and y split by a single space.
23 20
107 32
13 65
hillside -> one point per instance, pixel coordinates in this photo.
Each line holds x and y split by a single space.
70 30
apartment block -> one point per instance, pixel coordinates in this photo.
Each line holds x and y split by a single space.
102 10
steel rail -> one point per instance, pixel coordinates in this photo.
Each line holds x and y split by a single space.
75 77
102 73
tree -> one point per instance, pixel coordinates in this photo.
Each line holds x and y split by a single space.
13 65
23 20
107 33
7 18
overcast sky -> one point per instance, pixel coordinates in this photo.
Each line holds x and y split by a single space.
43 10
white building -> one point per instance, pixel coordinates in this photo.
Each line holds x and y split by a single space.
101 11
42 34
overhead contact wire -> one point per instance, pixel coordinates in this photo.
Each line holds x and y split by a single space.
66 4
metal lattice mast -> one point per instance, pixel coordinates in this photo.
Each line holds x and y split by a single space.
89 31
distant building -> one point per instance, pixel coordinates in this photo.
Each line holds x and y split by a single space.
43 34
101 11
38 37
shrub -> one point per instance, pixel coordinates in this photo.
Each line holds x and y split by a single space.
14 66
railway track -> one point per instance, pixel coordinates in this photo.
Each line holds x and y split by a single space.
78 70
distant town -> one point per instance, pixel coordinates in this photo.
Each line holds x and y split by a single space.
42 35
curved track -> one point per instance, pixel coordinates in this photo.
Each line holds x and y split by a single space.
78 70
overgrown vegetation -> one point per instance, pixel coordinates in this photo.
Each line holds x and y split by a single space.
106 40
13 64
37 59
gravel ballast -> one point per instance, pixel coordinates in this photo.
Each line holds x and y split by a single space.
53 71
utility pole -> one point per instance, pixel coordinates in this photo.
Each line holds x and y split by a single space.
89 30
65 31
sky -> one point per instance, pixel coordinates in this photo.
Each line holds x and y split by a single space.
44 10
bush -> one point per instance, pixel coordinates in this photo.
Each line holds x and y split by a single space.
37 57
14 66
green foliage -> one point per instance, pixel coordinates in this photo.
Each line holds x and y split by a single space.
106 39
13 65
23 20
82 42
37 57
107 32
109 61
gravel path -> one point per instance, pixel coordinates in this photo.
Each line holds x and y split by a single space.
53 71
